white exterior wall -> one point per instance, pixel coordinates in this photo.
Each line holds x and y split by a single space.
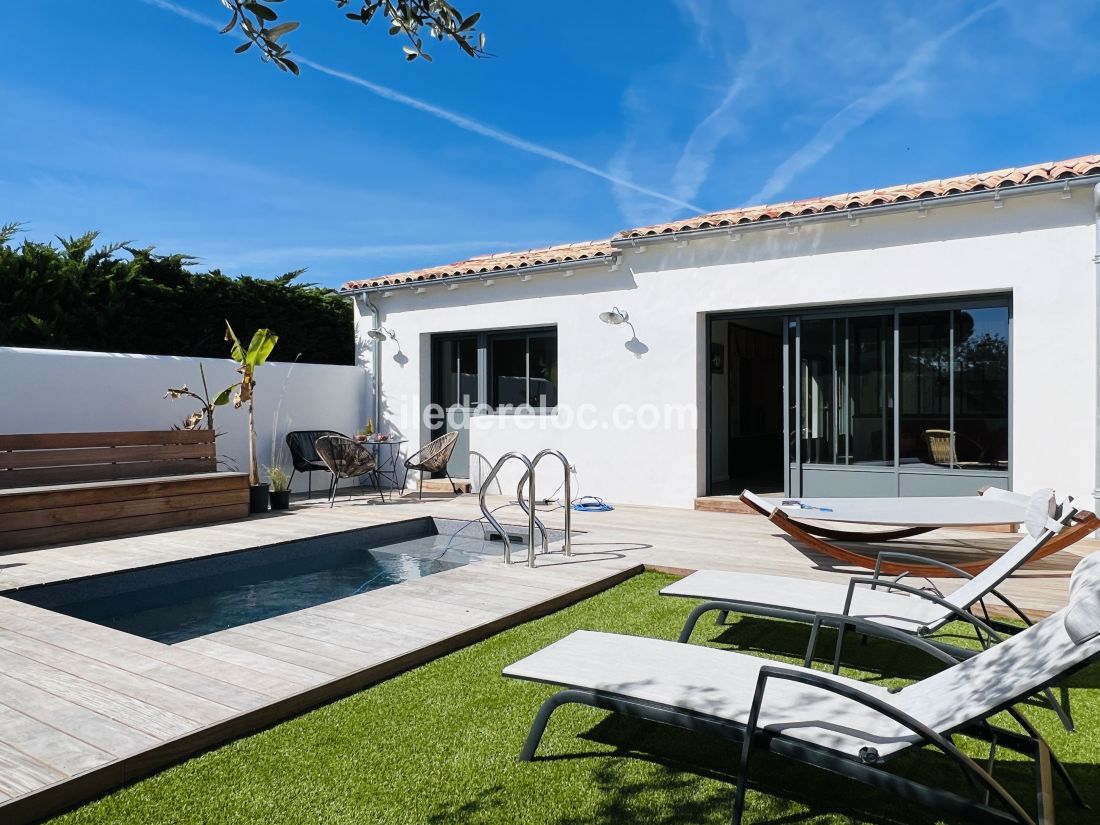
1038 247
43 391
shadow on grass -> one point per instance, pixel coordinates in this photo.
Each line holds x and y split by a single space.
781 790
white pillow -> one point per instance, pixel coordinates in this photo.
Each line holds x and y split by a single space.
1082 619
1041 508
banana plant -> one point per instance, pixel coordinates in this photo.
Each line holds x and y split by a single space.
243 392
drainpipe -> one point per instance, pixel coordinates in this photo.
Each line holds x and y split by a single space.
1096 355
376 365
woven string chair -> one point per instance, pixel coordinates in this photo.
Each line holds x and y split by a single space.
303 453
345 458
432 458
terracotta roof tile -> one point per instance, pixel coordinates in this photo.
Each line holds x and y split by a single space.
499 262
1037 173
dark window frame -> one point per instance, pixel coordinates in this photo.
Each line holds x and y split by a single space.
487 392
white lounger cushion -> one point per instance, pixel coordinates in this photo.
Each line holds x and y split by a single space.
1083 614
898 610
916 511
715 682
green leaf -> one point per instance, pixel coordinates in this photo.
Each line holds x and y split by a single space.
275 32
244 47
470 21
261 345
290 64
231 24
261 11
222 398
236 351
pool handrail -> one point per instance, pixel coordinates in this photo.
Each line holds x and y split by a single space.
568 545
531 519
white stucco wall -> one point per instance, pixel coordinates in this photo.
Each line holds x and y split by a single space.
1037 247
45 391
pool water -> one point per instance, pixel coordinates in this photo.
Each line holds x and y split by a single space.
178 601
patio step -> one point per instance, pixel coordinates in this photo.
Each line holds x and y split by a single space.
441 485
723 504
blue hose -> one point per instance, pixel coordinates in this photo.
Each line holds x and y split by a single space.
590 504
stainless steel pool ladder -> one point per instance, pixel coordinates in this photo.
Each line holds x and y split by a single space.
568 469
532 519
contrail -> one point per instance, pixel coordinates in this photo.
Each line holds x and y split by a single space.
859 111
462 122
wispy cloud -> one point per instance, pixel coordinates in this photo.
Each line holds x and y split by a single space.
860 110
461 121
371 252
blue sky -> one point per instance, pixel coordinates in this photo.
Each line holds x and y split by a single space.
128 117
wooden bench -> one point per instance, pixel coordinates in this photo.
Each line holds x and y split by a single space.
63 487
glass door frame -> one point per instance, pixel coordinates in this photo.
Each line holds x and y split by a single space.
891 477
796 468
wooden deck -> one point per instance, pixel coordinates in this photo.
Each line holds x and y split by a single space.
84 708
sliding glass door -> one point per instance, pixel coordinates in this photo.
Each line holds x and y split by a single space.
907 400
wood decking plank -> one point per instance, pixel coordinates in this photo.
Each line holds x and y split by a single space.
59 750
292 673
90 726
121 707
169 699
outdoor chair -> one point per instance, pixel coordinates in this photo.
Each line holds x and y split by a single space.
882 602
431 458
941 449
346 458
805 519
846 726
303 453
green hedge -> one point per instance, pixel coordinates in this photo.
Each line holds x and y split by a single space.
122 299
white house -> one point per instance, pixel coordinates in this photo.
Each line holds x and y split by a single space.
915 340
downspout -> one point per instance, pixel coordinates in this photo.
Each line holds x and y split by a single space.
376 365
1096 354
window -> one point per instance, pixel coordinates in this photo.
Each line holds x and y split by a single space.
951 382
500 371
846 390
523 369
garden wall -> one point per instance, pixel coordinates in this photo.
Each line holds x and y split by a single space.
64 391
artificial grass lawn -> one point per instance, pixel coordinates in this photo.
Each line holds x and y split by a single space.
439 744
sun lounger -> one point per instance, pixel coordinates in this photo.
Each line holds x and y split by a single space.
840 724
818 523
880 602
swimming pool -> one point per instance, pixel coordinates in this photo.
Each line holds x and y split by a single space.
173 602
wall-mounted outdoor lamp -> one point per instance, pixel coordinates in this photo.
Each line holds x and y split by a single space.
615 317
381 334
620 316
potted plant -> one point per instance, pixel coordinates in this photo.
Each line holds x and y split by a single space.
280 488
255 355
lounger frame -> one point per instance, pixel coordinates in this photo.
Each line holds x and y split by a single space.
869 766
815 536
986 629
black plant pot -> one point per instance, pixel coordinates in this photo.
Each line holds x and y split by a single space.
280 499
258 497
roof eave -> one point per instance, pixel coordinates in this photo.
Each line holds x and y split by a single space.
609 260
1002 193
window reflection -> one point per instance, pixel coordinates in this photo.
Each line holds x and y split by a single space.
952 384
846 390
509 371
924 365
981 388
